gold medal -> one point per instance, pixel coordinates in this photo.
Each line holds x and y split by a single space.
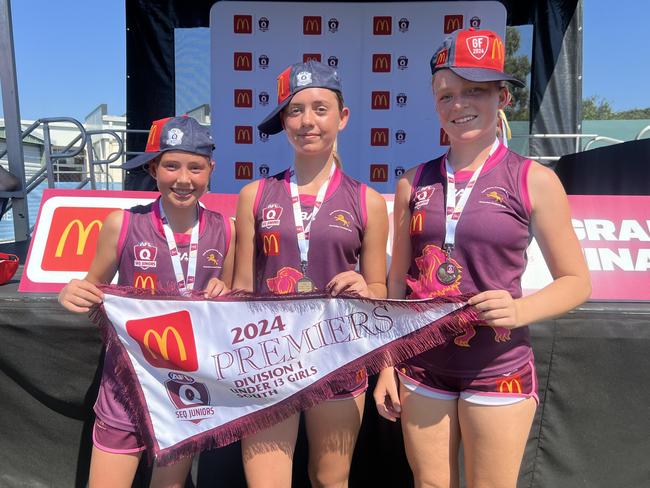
447 273
305 285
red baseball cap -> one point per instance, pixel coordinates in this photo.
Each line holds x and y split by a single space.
475 55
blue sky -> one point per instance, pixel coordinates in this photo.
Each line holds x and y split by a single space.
70 55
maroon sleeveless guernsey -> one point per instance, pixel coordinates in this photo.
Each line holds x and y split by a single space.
144 262
335 237
490 252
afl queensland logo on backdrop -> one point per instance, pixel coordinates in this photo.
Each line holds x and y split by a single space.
333 61
400 136
263 24
402 62
263 61
399 171
263 98
403 24
401 98
264 169
333 25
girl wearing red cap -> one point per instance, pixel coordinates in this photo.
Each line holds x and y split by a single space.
462 225
142 242
306 229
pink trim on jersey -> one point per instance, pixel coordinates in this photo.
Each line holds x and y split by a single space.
228 231
334 184
308 200
465 175
416 179
363 189
523 184
258 195
126 218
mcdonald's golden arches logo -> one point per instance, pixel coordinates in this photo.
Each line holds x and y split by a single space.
243 170
243 61
378 172
379 137
144 281
166 341
242 24
243 134
382 26
441 57
311 25
380 100
417 223
72 238
311 57
510 385
452 23
498 51
381 63
243 97
271 243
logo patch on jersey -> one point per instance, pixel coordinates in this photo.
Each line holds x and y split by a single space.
341 219
495 195
271 216
212 259
145 255
284 281
423 196
271 243
145 281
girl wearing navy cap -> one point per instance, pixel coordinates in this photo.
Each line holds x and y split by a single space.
141 243
306 229
462 225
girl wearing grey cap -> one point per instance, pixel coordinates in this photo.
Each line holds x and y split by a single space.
302 230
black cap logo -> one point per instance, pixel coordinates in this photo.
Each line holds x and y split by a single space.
399 171
333 25
403 24
263 61
475 22
263 97
402 62
333 61
400 136
264 169
401 98
263 24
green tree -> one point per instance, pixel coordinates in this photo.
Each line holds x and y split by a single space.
596 108
519 67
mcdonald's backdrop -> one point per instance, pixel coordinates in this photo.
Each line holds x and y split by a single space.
203 373
382 51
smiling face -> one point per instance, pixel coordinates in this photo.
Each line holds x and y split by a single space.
468 109
181 177
312 121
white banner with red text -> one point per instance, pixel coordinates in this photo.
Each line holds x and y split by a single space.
203 373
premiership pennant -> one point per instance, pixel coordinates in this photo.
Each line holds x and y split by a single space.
204 373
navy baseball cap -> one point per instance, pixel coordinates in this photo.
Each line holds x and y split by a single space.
295 78
475 55
174 134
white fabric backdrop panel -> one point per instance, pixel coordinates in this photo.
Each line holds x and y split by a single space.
272 34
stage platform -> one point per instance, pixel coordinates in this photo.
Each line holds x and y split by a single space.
591 428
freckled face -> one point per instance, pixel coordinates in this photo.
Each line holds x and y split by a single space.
182 177
467 109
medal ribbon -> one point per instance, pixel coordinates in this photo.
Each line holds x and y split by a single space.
302 228
185 286
453 209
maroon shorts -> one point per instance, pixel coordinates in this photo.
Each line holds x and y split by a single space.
114 440
500 389
355 389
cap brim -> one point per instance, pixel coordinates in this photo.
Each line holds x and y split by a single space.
272 123
483 74
140 159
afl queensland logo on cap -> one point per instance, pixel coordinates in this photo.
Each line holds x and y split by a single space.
174 137
303 78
